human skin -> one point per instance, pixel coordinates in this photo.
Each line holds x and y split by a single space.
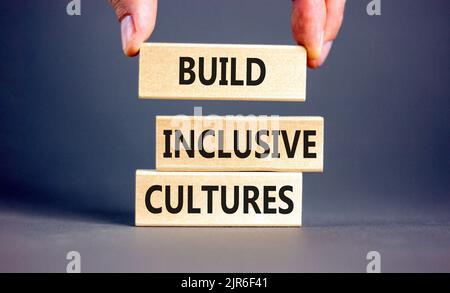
315 25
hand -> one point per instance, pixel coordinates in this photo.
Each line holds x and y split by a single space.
315 24
137 21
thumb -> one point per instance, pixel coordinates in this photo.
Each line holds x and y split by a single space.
137 20
308 25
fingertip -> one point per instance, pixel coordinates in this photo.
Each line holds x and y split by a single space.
313 64
128 32
137 26
315 48
131 50
316 63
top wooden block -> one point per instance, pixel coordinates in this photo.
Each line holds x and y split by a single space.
222 72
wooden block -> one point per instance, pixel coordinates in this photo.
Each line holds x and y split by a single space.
237 143
222 72
218 199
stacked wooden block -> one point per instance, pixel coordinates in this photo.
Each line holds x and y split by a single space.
227 170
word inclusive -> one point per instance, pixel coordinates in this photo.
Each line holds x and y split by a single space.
234 143
188 143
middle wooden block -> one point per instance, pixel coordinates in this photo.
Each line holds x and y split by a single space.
237 143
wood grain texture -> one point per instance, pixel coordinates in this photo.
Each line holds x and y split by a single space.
279 200
285 151
285 68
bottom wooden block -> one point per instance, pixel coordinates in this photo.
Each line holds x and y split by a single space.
218 199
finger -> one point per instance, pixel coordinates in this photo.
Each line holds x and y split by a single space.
335 16
308 23
315 63
137 21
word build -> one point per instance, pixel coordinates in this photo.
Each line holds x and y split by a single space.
222 72
218 199
213 77
237 143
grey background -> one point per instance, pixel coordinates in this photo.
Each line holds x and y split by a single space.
72 134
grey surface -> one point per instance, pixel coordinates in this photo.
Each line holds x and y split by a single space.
42 242
72 133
